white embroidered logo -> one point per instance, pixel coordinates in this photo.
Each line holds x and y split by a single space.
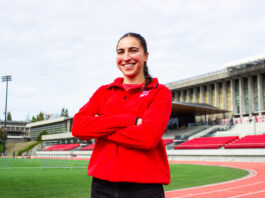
144 93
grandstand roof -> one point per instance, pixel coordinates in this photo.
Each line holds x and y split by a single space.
219 74
58 136
253 59
195 108
45 122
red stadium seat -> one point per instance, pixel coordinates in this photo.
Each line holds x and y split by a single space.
167 141
206 143
62 147
88 147
249 141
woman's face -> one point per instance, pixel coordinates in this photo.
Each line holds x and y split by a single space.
131 58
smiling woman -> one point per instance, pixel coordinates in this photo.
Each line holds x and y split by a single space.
130 60
127 118
137 53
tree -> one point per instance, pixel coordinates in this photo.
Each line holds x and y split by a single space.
2 134
33 119
9 117
39 139
64 112
48 116
39 117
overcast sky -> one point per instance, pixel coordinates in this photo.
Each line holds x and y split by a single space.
60 51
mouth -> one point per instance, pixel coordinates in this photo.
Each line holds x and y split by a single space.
129 65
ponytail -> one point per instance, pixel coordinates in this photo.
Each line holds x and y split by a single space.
147 76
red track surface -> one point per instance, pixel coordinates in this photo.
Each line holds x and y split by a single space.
248 187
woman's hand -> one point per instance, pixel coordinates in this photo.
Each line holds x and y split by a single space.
139 121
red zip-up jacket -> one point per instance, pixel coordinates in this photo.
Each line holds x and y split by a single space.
124 151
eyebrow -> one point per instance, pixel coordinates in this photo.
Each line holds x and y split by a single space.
130 48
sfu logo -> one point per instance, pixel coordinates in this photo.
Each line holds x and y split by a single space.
144 93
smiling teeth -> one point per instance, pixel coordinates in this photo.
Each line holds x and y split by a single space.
128 65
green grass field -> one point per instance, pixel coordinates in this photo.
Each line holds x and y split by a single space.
67 178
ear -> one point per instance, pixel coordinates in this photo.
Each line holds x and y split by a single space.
146 56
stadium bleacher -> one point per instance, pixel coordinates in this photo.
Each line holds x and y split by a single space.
206 142
249 141
243 130
183 133
168 141
62 147
89 147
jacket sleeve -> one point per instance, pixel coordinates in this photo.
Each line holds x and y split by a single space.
154 121
87 125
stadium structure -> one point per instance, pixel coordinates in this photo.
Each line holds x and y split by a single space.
215 116
238 88
52 126
17 131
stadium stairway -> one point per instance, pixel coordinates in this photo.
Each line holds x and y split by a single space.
183 133
205 132
242 130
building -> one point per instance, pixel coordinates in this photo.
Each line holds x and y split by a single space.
53 126
17 131
58 131
238 88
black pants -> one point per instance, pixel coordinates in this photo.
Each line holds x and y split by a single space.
105 189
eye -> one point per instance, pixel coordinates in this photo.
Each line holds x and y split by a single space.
134 50
120 52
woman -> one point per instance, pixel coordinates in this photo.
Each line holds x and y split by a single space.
128 118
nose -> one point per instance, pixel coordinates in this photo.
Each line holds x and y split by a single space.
126 56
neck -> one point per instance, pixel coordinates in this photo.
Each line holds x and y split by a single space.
138 80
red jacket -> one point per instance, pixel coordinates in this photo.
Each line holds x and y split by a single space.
125 152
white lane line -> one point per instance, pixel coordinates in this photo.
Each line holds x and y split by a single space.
252 173
251 193
224 189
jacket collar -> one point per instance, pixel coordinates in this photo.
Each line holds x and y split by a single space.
118 83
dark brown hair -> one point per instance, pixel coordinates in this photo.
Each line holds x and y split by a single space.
147 76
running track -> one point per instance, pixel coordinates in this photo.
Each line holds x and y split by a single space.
251 186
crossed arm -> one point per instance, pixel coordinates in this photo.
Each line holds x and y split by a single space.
125 129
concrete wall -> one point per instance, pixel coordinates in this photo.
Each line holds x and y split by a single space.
64 154
16 139
244 155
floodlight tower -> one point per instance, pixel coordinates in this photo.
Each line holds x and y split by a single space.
5 79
